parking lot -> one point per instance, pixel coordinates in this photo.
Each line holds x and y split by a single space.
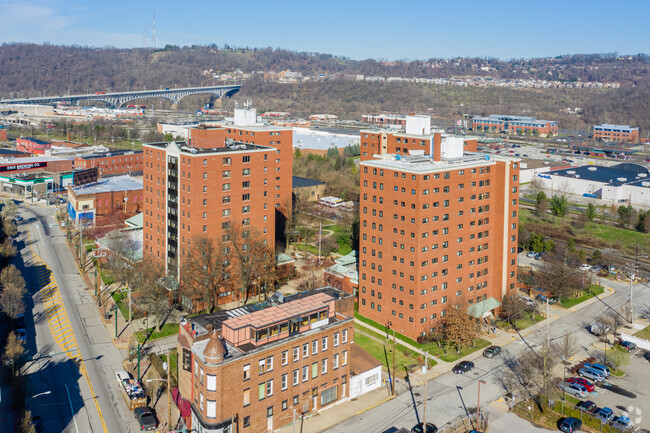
627 395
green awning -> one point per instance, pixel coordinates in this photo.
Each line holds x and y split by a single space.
483 308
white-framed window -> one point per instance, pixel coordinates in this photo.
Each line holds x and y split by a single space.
305 373
247 371
305 350
269 387
262 366
285 357
323 366
336 339
269 363
284 381
344 336
212 382
324 344
211 409
335 361
296 353
314 347
344 356
296 377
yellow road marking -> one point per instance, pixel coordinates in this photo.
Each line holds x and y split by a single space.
58 318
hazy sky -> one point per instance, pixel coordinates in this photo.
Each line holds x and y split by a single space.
405 29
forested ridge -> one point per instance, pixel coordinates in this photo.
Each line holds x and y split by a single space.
35 70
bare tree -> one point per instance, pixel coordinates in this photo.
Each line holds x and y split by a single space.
459 328
251 256
26 424
9 210
566 347
154 294
8 249
12 297
205 271
121 259
13 351
560 277
9 227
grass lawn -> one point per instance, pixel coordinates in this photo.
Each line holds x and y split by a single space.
432 348
522 323
644 333
382 337
122 304
308 248
588 294
166 330
404 358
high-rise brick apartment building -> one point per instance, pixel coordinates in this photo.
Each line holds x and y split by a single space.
418 135
253 369
437 230
245 128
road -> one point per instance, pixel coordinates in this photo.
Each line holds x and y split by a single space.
70 406
444 399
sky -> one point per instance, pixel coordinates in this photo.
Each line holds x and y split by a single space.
361 29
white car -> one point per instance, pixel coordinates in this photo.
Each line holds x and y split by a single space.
531 254
574 389
592 374
584 267
121 376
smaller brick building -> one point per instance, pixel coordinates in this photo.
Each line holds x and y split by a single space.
3 133
616 133
308 189
106 202
248 369
112 163
32 145
521 125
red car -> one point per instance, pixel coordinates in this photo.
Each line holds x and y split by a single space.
584 382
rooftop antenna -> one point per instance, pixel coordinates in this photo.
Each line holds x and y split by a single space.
153 34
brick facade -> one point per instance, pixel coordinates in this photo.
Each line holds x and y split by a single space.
112 163
434 234
616 133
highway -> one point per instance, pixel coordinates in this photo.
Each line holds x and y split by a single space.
444 399
83 394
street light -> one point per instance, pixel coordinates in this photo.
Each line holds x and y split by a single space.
38 395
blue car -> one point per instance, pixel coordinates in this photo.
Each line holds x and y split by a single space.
21 334
598 367
605 414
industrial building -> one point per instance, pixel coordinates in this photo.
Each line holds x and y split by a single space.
625 182
610 132
520 125
437 230
112 163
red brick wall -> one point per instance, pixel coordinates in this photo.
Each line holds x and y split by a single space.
108 202
3 134
231 385
393 280
110 165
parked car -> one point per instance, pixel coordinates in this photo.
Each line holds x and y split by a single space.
570 424
21 334
595 268
542 298
526 300
492 351
584 267
582 381
463 367
598 367
591 374
605 414
19 218
598 328
587 406
419 428
622 421
627 345
539 256
145 418
19 322
647 356
531 254
574 389
122 375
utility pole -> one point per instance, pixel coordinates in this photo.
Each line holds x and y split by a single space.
81 244
392 382
169 396
426 381
632 276
128 286
478 406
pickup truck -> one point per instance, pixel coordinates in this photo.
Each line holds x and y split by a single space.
145 418
132 390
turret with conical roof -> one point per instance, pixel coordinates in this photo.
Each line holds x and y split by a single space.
214 351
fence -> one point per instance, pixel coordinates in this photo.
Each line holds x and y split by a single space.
464 424
640 342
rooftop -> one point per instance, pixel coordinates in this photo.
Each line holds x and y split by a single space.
136 221
117 183
9 160
425 164
184 148
112 153
620 174
361 361
612 126
276 314
35 140
304 138
301 182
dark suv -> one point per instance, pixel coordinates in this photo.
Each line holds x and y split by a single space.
570 424
492 351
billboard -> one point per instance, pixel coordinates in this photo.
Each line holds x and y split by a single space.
27 166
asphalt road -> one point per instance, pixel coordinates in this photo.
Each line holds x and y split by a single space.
70 406
445 400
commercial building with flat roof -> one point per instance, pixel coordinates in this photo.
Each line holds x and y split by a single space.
250 368
113 162
32 145
105 202
610 132
521 125
34 164
437 231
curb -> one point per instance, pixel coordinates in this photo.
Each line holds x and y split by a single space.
376 404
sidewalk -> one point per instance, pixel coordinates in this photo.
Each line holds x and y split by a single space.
337 413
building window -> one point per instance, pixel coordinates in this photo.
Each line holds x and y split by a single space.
324 344
296 377
328 396
269 411
269 387
247 421
296 353
335 361
247 397
314 370
285 404
323 366
284 381
344 336
262 366
344 356
305 373
212 382
285 357
261 390
314 347
305 350
211 409
336 339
